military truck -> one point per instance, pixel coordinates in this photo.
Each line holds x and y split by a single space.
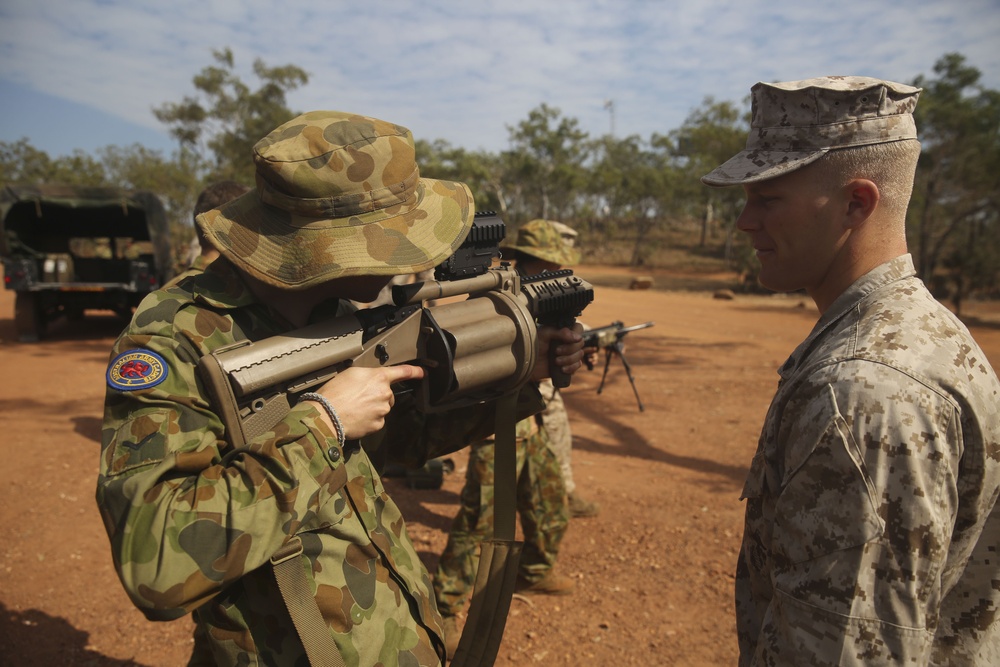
70 249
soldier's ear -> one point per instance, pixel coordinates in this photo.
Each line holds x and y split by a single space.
862 197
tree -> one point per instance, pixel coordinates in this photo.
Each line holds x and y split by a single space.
546 162
225 118
483 172
20 162
955 209
710 135
634 184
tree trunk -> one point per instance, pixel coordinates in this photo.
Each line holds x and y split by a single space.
705 222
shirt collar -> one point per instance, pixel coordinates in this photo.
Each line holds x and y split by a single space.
220 286
892 271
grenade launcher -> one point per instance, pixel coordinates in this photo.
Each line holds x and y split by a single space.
473 349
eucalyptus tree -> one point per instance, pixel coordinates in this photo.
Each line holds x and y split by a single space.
225 117
954 216
547 163
634 186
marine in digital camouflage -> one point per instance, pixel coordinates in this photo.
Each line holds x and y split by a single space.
337 195
541 506
872 526
193 522
795 123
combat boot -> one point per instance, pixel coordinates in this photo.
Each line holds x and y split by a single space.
580 508
550 584
452 633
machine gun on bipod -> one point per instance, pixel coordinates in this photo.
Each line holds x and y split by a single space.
611 339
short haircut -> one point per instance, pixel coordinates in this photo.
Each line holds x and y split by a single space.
214 196
217 194
891 166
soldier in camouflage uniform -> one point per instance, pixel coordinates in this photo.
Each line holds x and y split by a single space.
339 208
541 498
872 526
554 417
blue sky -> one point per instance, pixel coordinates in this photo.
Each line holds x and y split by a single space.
87 73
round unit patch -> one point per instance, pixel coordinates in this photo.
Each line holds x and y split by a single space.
136 369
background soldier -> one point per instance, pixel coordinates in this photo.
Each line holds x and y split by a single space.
541 498
554 416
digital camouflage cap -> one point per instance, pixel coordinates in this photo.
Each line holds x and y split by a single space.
337 195
545 240
795 123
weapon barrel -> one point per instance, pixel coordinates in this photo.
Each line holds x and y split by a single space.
636 327
403 295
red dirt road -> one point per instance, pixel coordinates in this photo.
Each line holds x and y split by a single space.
654 569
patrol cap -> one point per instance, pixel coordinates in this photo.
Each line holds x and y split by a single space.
795 123
542 239
339 194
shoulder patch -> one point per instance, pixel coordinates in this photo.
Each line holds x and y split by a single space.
136 369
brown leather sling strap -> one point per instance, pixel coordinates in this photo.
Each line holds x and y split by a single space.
495 578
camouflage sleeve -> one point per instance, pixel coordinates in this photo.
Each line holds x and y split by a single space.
186 516
867 472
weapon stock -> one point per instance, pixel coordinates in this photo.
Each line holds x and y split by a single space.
611 339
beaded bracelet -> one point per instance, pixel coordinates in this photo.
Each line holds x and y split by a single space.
328 406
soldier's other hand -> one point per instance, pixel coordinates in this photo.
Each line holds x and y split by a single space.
569 350
363 397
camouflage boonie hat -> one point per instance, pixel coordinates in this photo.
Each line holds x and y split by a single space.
544 240
567 233
795 123
338 195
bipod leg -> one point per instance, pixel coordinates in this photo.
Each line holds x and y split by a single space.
628 371
608 352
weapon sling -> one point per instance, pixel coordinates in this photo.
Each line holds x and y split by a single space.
499 557
495 577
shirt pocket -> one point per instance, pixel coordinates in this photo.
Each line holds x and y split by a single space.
828 501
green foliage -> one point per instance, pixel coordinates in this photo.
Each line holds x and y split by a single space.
546 163
954 217
20 162
633 200
225 118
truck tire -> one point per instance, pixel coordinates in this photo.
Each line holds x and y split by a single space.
29 320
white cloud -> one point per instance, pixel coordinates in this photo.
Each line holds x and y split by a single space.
464 70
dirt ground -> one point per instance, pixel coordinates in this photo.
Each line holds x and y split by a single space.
654 569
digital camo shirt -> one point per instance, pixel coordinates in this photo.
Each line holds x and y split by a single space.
872 527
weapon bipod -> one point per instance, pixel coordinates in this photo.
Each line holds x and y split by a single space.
618 348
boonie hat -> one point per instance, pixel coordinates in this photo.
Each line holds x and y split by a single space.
795 123
339 194
567 233
542 239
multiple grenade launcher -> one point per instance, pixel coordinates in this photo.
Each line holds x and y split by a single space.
473 349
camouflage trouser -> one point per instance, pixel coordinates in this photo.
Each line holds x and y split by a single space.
541 505
556 423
